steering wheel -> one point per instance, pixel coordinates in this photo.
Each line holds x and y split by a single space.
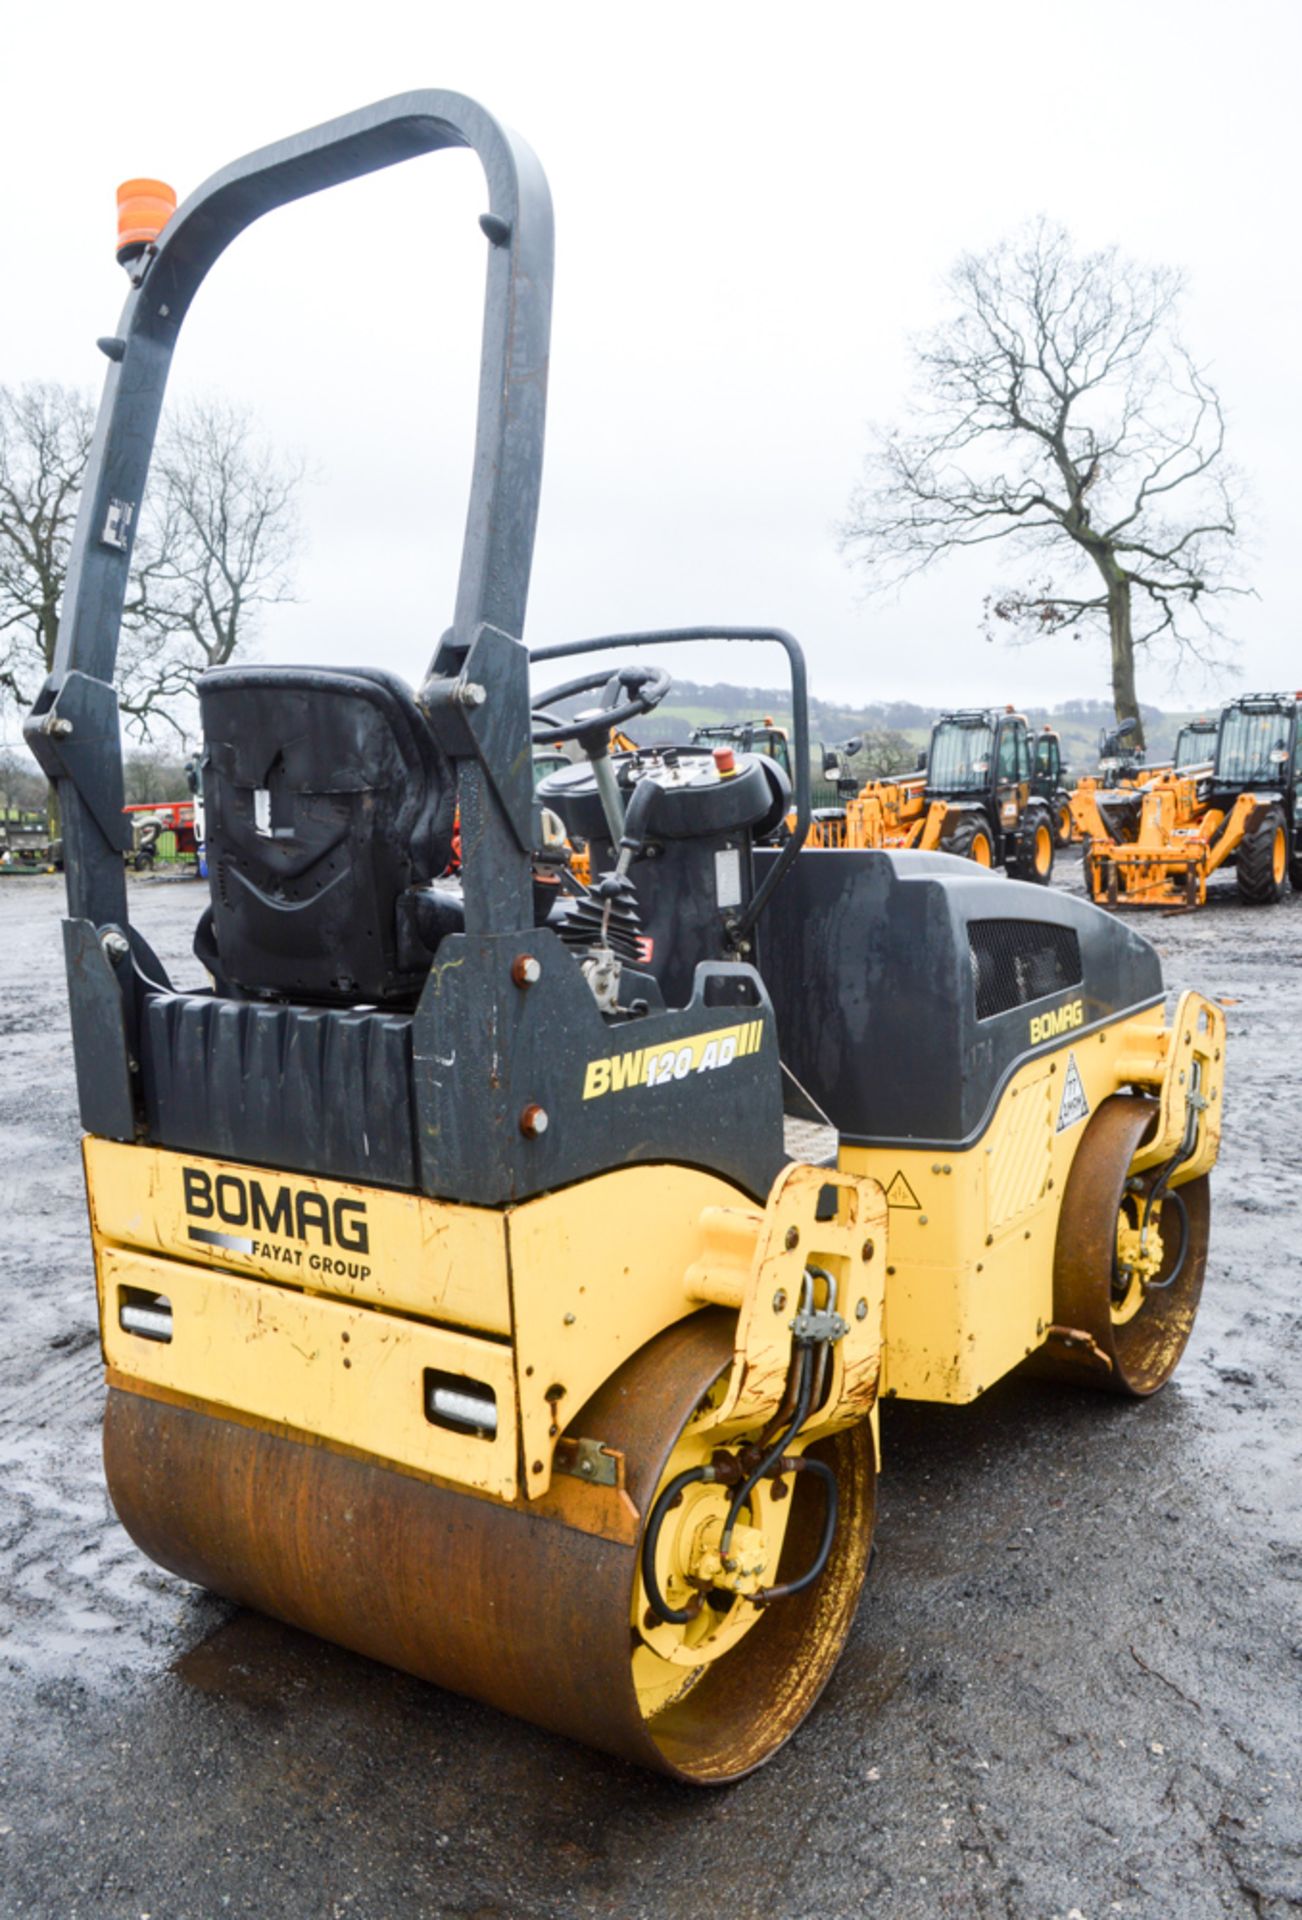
625 694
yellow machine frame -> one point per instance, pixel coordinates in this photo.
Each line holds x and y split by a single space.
1179 844
1086 821
897 814
969 1281
314 1307
884 813
566 1441
282 1327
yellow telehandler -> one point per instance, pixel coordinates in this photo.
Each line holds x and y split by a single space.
1158 844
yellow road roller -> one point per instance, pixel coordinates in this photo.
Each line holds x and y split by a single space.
459 1299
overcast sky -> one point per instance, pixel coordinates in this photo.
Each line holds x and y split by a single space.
755 207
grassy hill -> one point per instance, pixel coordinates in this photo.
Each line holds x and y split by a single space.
1078 721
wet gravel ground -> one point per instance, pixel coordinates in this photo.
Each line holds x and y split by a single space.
1072 1689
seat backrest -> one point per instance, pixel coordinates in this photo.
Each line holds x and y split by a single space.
326 799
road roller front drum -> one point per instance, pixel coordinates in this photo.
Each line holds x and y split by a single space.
519 1610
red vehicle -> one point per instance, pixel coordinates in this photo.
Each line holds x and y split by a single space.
151 820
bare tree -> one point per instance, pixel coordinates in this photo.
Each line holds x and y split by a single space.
1057 409
153 774
215 547
22 788
45 435
886 752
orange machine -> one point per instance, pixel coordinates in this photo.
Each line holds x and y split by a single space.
976 798
1156 845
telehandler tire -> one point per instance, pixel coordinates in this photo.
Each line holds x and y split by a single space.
971 840
1122 1318
1262 862
1032 855
543 1619
1062 821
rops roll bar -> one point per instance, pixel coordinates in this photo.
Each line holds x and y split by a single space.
73 728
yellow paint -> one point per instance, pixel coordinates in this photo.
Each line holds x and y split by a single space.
1179 841
600 1269
983 853
428 1257
851 1247
884 813
756 1260
897 814
669 1657
572 1284
343 1372
932 829
1047 1026
661 1066
1087 821
969 1281
597 1271
1015 1168
721 1271
900 1194
1174 1062
1140 1251
826 835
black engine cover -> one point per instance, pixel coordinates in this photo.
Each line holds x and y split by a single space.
905 986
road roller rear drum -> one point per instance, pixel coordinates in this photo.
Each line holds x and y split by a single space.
1130 1259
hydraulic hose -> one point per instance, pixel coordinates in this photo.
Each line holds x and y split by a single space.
1176 1198
769 1460
1160 1192
824 1347
808 1378
678 1616
803 1464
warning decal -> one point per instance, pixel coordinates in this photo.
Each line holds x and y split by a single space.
901 1194
1073 1106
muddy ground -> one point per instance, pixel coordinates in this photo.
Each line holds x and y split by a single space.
1072 1689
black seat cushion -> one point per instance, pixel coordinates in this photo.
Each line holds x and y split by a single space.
326 798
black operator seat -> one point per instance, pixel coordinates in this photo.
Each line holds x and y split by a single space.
327 802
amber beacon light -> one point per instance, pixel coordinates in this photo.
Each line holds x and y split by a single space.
144 209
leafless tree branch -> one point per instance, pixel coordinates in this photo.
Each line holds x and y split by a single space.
1057 410
215 547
